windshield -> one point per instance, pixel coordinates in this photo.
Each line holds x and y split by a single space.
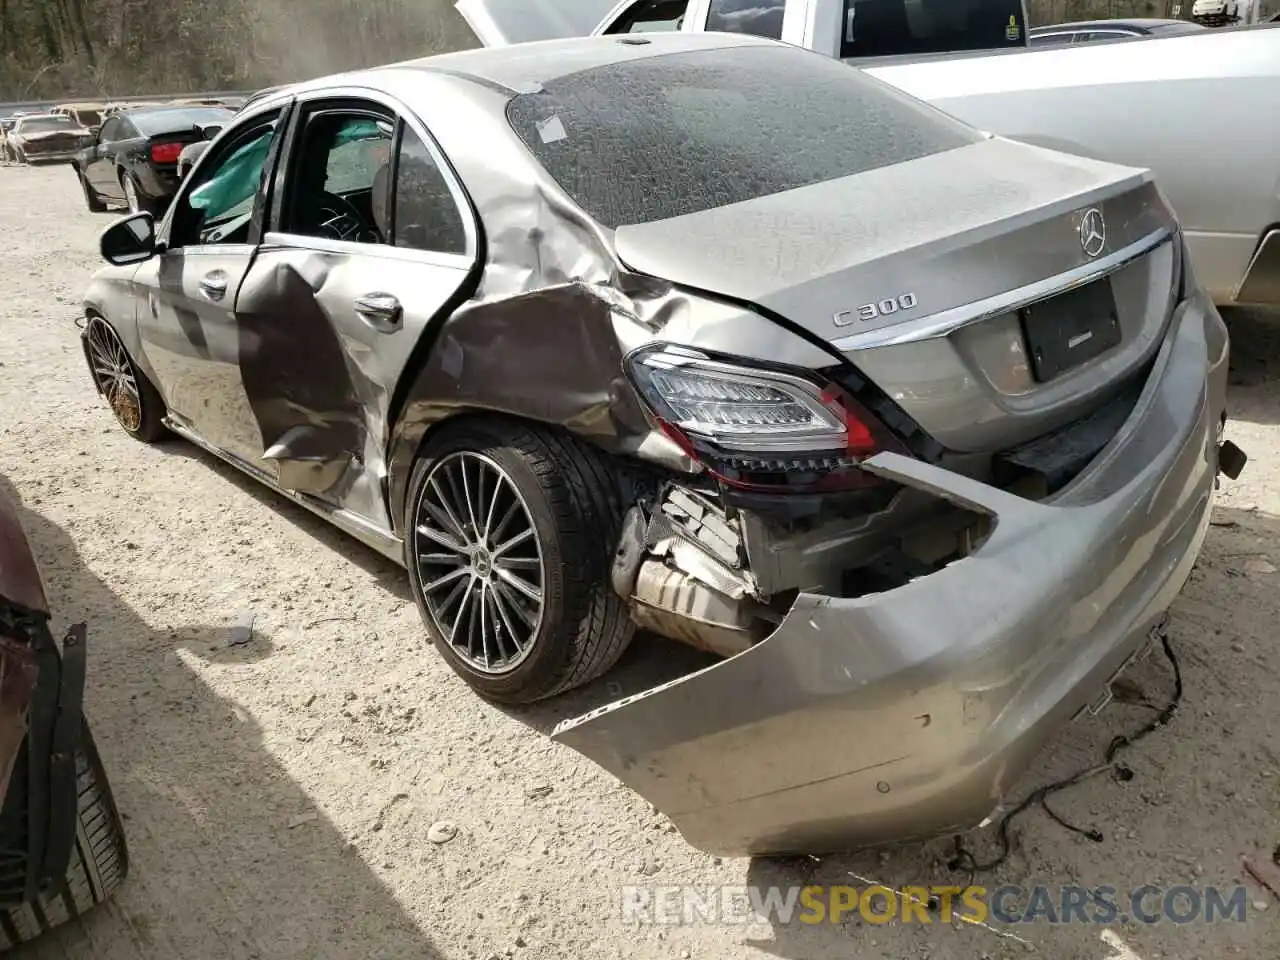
153 122
89 117
44 124
887 28
715 127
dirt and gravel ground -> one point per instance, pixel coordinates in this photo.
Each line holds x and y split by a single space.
279 795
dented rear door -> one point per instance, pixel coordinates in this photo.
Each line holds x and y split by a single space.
337 323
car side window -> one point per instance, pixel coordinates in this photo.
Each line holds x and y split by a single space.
425 213
341 162
760 18
110 131
218 208
651 16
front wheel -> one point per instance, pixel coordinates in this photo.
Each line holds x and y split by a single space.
509 536
133 399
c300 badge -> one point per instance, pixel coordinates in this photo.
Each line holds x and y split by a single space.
874 311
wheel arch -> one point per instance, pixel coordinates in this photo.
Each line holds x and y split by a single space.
109 299
413 435
551 358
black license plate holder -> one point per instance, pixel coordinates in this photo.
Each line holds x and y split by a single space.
1070 329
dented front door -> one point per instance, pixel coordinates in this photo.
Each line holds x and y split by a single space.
190 335
187 323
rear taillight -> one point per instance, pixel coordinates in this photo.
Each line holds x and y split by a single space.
166 152
756 428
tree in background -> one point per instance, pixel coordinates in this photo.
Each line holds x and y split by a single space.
60 48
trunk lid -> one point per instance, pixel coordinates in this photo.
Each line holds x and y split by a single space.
996 292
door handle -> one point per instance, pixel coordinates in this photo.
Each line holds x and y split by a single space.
214 285
381 311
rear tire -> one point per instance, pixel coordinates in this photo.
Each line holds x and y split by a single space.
99 856
570 501
135 198
91 198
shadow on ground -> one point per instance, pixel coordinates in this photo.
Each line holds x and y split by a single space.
390 576
1255 366
648 662
229 856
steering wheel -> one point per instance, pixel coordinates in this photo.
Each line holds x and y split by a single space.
338 219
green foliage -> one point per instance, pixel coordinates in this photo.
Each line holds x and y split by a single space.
99 48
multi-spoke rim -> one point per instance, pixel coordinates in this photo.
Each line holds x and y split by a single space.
114 374
479 562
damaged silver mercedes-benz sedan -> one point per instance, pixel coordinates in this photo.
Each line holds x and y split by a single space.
916 427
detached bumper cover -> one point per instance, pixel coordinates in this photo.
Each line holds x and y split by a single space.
911 713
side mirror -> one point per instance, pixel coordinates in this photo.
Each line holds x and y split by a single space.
130 240
211 131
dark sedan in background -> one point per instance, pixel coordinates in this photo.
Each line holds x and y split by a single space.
133 160
194 151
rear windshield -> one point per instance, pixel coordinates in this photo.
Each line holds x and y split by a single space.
886 28
44 124
152 122
665 136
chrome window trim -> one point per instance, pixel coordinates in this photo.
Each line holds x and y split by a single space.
297 241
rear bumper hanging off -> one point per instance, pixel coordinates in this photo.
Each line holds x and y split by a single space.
910 713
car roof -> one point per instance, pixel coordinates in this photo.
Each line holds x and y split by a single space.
525 67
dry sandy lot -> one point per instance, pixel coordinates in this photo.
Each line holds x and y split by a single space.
278 795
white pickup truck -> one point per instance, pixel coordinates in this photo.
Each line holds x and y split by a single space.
847 29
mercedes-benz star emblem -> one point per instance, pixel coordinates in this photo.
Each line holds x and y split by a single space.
1093 232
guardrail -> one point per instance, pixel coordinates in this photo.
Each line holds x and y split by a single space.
11 107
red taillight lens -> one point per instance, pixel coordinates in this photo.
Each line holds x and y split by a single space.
166 152
760 429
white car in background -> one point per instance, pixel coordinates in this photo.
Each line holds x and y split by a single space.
1196 108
